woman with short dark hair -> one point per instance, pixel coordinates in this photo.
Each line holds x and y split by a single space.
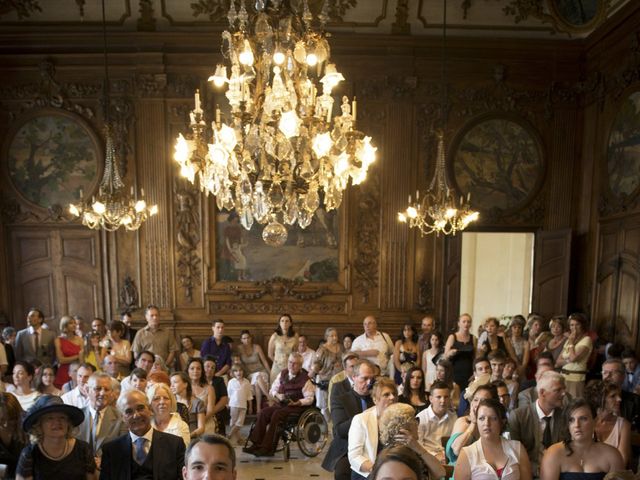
283 342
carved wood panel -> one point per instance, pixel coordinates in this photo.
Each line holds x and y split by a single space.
551 272
56 270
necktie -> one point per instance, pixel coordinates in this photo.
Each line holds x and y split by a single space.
546 436
35 341
141 455
96 424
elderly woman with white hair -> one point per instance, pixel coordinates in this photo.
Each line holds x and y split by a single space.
165 418
399 426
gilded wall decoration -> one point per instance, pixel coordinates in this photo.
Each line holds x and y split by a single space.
310 254
278 288
365 264
23 8
499 162
278 308
52 155
623 149
188 237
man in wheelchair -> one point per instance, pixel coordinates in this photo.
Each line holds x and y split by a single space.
294 392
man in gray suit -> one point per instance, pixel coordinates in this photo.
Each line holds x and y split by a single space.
540 424
35 342
102 422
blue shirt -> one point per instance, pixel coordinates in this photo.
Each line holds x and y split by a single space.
222 352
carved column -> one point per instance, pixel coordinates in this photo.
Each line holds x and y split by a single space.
152 175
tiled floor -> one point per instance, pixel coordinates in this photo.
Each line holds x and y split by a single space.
298 467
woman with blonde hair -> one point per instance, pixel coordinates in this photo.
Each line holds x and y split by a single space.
68 349
165 417
557 327
399 426
54 453
329 357
575 355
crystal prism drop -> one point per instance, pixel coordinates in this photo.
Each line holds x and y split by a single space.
246 218
274 234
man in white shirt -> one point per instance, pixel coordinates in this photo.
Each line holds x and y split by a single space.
437 420
374 345
308 354
78 397
144 360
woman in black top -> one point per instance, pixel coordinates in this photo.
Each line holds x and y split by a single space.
460 351
54 453
413 389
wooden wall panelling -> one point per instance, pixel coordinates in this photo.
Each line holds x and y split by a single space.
450 306
152 175
552 272
398 159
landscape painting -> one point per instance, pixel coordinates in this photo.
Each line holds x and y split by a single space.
499 162
51 158
623 152
310 255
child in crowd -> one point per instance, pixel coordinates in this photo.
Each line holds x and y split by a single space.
139 379
239 389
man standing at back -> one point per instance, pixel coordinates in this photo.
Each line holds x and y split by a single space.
217 348
35 342
158 341
141 453
374 345
427 326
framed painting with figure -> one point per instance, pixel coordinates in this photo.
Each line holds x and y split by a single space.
623 149
499 161
312 254
575 16
50 156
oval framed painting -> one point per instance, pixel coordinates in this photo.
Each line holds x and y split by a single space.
498 160
578 16
623 149
50 156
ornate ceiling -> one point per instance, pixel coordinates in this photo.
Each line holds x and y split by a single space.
494 18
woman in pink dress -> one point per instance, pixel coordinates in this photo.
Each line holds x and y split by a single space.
68 349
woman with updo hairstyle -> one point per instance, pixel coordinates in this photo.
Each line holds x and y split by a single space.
399 426
575 355
519 343
557 327
493 457
282 343
68 349
611 428
12 437
579 456
398 462
22 388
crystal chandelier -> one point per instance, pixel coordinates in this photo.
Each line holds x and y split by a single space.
439 210
112 208
279 154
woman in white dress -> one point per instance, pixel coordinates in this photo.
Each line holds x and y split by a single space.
22 384
430 359
492 457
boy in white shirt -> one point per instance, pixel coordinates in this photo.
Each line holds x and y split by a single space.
239 389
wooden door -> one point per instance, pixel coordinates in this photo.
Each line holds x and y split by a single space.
551 272
451 282
57 270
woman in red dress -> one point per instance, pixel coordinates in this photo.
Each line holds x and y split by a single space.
68 349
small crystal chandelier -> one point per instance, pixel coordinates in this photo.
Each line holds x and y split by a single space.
112 208
439 210
281 154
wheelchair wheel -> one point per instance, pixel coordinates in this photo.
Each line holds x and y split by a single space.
312 432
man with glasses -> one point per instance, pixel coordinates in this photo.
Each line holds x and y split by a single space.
102 422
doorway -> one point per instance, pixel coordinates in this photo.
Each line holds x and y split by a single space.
496 275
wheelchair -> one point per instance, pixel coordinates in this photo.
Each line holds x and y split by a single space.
309 429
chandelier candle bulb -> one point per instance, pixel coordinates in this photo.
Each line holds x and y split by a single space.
354 109
197 109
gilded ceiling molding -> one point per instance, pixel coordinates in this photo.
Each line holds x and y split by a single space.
23 8
188 236
278 288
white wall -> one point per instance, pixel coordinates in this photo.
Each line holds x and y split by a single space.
496 275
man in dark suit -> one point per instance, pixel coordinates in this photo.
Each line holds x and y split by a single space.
102 422
337 387
35 342
343 409
143 452
540 424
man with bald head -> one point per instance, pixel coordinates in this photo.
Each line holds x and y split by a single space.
427 327
374 345
142 452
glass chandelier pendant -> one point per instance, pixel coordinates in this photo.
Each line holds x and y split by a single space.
112 208
280 154
439 211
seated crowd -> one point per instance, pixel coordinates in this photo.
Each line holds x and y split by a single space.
513 403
